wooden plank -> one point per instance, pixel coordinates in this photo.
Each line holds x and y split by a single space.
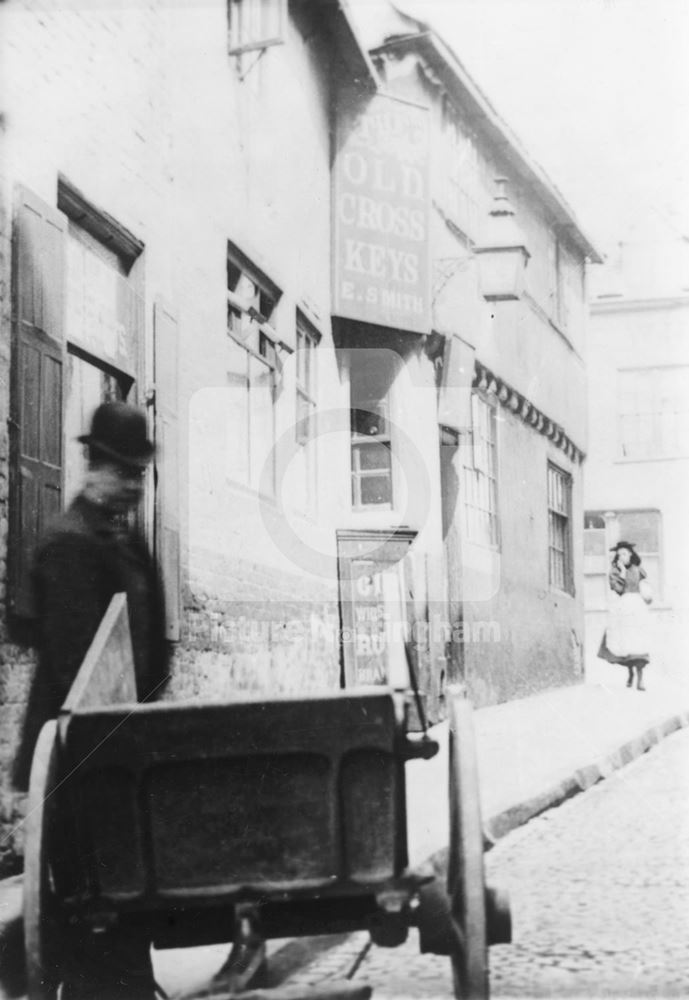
166 353
106 676
336 989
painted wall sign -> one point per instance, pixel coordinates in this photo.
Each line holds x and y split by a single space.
373 606
381 215
104 313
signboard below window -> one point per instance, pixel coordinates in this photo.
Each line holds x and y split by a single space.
104 311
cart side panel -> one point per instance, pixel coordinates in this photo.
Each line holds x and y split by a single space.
368 784
113 838
257 819
174 800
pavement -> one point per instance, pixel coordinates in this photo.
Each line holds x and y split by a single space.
532 753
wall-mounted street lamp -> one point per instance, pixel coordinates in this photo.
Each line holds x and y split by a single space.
502 256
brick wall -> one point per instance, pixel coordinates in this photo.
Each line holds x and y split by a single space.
141 108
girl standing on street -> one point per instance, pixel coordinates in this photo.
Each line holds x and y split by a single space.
626 639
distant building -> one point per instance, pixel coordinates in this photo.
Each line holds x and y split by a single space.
637 472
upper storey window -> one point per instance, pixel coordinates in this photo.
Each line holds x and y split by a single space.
459 178
252 373
653 413
255 24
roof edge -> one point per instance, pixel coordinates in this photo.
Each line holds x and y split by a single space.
348 40
433 46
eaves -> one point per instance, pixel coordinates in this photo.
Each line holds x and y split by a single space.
448 71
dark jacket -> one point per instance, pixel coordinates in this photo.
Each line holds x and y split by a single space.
82 561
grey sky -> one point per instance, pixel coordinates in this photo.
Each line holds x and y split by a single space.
598 91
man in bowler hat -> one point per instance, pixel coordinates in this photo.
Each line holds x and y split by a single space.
89 554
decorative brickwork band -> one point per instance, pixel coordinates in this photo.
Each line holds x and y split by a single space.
486 381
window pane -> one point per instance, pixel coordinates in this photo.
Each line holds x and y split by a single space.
651 565
652 406
376 490
233 275
595 591
266 348
373 456
371 374
640 527
479 477
559 528
87 387
594 542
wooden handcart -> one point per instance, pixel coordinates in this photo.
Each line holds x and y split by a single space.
200 823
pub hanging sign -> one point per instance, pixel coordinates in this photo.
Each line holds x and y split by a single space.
381 216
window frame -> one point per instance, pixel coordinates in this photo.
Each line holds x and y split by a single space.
125 383
306 388
257 339
564 583
613 531
234 14
252 353
459 183
654 416
481 477
378 406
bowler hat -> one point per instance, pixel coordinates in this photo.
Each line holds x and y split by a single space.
118 431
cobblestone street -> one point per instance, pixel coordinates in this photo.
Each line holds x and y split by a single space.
600 899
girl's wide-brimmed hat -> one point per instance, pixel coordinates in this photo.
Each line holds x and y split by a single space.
119 431
624 545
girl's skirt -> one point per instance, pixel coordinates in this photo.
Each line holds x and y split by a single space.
627 637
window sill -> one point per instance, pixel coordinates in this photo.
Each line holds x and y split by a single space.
484 546
374 508
603 610
654 458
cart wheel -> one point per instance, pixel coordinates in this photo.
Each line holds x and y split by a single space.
41 924
465 884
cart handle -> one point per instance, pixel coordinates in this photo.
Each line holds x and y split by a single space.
420 749
415 688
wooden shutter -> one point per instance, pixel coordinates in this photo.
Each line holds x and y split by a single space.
454 408
166 353
37 386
